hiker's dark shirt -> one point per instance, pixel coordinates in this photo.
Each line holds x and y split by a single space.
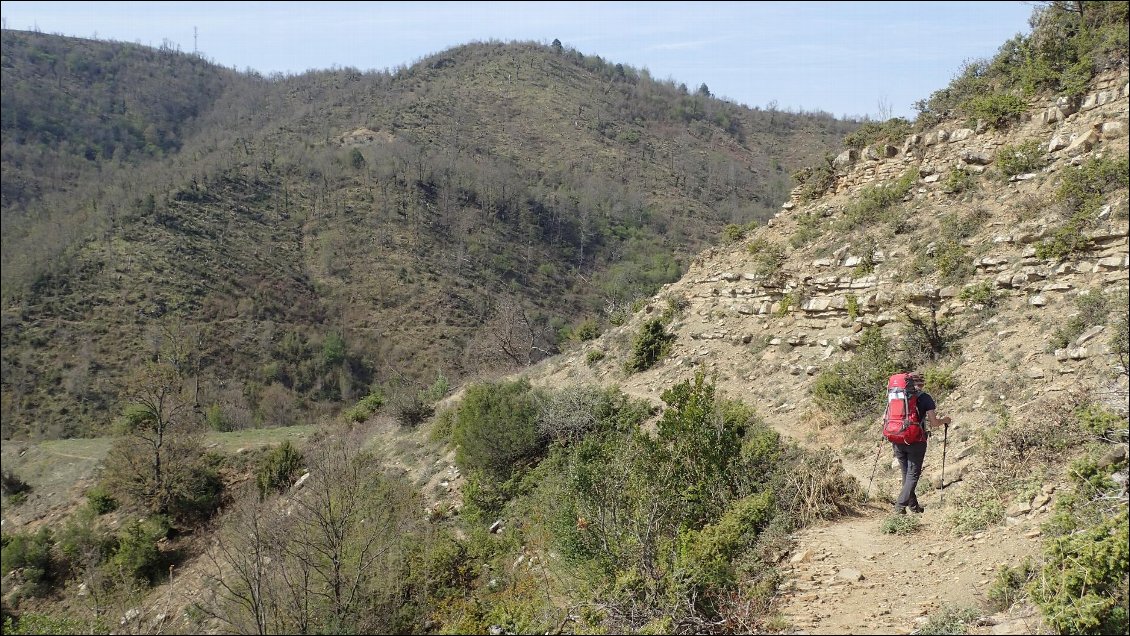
924 405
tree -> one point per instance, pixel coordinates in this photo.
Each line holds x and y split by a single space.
156 460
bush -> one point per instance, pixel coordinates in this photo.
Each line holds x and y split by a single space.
900 524
875 204
768 257
980 295
958 181
31 553
652 343
594 356
279 469
1082 586
100 500
997 109
365 407
1008 586
496 429
11 484
1026 157
858 386
138 555
950 620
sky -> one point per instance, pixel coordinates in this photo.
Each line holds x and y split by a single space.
849 59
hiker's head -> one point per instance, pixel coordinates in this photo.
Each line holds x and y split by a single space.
917 380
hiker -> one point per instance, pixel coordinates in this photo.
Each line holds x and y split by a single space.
910 456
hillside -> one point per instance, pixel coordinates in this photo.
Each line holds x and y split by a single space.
413 219
708 463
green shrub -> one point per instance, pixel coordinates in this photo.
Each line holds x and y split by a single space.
138 555
852 304
732 233
49 624
857 387
768 257
982 295
32 554
216 420
1028 156
279 469
1008 586
706 557
594 356
900 524
950 620
651 344
975 513
1082 586
891 131
587 330
958 180
997 109
100 500
877 204
814 182
1092 307
496 429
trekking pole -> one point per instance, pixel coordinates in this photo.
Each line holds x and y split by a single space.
878 451
945 438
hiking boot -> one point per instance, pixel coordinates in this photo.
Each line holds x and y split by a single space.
900 510
917 509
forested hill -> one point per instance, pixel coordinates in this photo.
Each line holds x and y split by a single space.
296 242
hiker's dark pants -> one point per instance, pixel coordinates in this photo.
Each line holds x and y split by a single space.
910 458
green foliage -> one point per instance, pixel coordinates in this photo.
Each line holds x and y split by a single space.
1082 193
278 469
1082 586
951 620
594 356
216 420
365 407
1008 585
852 305
857 387
100 500
768 257
32 554
138 555
940 381
704 443
900 524
1028 156
981 295
1092 309
651 345
586 331
733 233
706 557
808 229
975 513
877 204
1100 421
47 624
892 131
958 180
997 109
333 349
815 182
496 429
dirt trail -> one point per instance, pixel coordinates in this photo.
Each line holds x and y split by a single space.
846 576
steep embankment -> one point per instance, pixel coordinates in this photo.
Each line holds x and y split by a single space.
969 247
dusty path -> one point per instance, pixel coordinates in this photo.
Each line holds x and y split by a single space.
847 577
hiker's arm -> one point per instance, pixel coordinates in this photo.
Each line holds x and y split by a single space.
934 420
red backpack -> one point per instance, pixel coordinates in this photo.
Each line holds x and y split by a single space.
901 423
